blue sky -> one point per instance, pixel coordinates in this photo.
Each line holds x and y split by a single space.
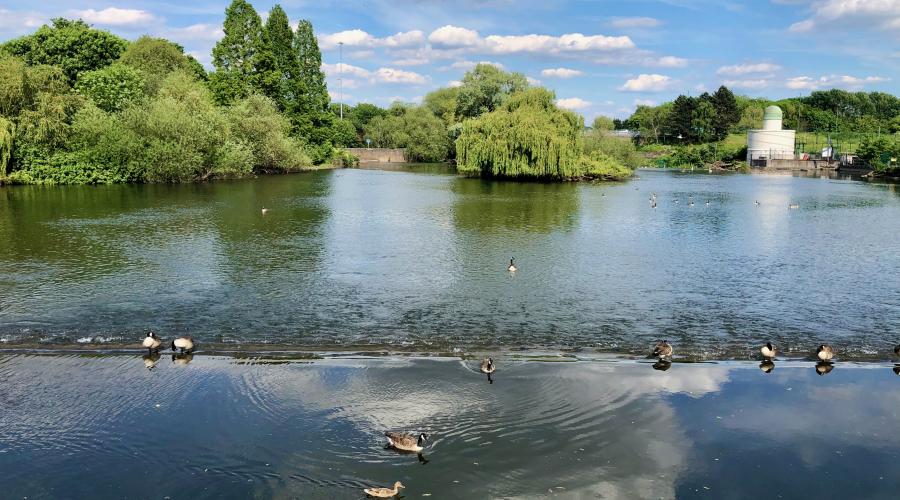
600 56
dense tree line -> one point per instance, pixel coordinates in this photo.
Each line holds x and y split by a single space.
81 105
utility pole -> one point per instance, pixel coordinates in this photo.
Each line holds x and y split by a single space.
341 76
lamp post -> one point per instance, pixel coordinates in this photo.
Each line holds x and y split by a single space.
341 76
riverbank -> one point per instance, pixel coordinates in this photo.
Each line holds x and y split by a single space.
260 427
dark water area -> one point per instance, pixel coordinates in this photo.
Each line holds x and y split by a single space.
415 259
217 427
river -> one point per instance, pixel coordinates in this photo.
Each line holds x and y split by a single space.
415 259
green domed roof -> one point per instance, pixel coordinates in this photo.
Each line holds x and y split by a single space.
773 113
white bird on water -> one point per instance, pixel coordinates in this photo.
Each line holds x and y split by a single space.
265 211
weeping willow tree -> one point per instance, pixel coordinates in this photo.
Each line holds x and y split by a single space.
528 136
7 131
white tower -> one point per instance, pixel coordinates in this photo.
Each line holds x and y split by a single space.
770 142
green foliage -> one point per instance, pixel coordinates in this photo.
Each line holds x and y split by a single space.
602 123
484 89
415 128
256 123
726 115
343 134
703 120
243 57
281 39
73 46
878 151
155 58
315 97
7 133
620 150
12 85
599 165
528 136
442 103
112 88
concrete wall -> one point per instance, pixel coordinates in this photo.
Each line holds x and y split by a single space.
798 164
379 155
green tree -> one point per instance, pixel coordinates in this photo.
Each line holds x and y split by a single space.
703 120
727 114
12 85
155 58
681 118
412 127
7 133
484 89
256 123
651 121
442 103
243 57
281 39
602 123
315 97
112 88
72 45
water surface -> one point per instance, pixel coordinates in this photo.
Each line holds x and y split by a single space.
416 259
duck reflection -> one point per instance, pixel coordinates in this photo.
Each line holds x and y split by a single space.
150 360
662 365
824 367
182 359
767 366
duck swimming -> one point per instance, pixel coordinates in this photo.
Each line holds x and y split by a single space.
512 265
185 343
487 366
152 342
794 205
406 442
825 352
663 349
384 492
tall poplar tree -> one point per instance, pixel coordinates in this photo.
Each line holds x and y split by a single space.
243 57
310 59
281 40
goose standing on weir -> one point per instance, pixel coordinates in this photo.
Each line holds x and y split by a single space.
825 353
185 343
663 349
768 351
152 343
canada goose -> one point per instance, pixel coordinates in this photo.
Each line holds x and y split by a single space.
152 342
767 366
653 205
794 205
823 368
265 211
757 203
150 360
662 365
406 442
512 265
385 492
182 359
185 343
690 203
663 349
707 203
825 352
768 350
487 366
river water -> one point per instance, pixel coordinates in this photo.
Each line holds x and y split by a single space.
415 259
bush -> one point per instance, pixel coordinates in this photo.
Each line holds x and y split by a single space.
112 88
256 122
599 165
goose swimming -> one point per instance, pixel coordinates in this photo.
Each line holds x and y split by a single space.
663 349
384 492
512 265
768 350
825 352
152 342
794 205
487 366
185 343
406 442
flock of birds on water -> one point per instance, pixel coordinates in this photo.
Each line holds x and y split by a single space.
653 198
410 443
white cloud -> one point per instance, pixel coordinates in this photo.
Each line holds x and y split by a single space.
879 14
467 65
546 44
747 84
573 103
411 61
635 22
644 102
358 38
454 83
391 75
113 16
670 62
19 22
208 32
832 81
454 36
647 83
560 73
532 81
346 69
747 69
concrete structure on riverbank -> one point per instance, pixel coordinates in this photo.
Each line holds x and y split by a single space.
771 142
379 155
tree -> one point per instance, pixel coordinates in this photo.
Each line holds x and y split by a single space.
442 102
112 88
281 39
484 89
703 119
155 58
312 78
243 58
12 85
650 121
727 114
412 127
602 123
72 45
681 117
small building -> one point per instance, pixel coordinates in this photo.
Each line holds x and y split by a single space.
770 142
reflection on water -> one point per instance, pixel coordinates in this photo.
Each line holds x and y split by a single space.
229 429
361 258
767 366
824 367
